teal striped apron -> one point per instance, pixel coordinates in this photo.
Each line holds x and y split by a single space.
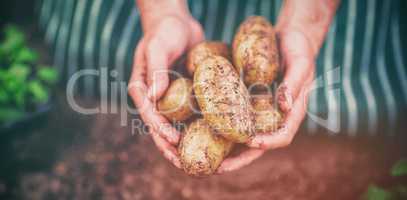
361 82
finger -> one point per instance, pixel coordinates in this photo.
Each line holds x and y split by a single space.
136 86
285 135
138 72
160 124
243 159
167 150
298 61
138 91
198 34
157 69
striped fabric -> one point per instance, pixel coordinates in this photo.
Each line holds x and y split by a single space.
361 81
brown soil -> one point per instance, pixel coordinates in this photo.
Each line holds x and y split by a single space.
113 164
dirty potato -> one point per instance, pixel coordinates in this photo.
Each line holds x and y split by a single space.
202 50
224 99
178 102
200 150
255 52
267 118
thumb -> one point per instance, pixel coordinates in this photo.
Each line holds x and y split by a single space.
160 56
299 66
157 70
197 34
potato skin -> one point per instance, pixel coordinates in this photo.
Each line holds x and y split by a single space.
267 118
202 50
201 151
224 99
255 52
178 103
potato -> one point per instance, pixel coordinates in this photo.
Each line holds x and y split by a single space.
178 102
267 116
224 99
200 150
202 50
255 52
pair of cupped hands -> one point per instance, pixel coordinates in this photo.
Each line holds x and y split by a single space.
167 38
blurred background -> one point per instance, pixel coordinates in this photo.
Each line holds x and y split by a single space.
352 145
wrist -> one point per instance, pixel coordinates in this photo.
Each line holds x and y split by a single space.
154 11
311 18
314 40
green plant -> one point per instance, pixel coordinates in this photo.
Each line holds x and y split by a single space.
24 84
399 192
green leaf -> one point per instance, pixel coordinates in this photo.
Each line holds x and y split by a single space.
377 193
11 46
26 55
38 91
3 75
3 54
4 97
14 85
9 114
20 71
14 40
400 168
20 97
47 74
12 31
15 78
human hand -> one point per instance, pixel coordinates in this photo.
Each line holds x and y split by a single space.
300 38
292 97
168 33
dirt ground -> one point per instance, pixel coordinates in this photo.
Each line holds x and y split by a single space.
113 164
